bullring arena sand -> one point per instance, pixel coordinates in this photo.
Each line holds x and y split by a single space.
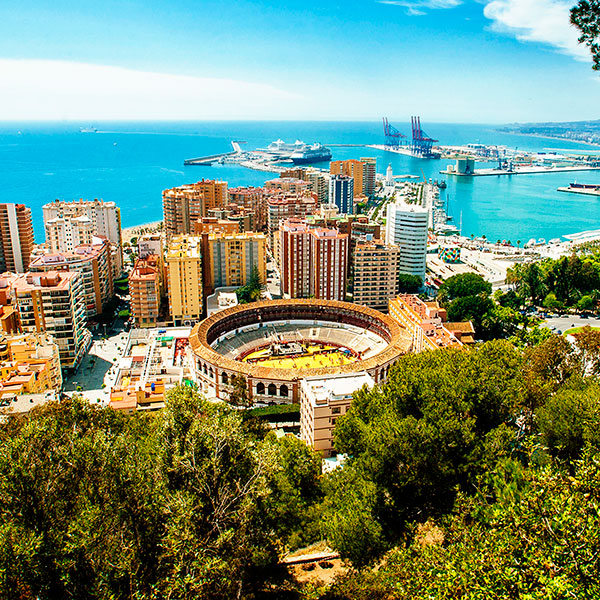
316 356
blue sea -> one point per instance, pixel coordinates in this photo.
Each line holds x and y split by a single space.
131 163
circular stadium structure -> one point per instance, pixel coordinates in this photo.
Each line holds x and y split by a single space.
273 344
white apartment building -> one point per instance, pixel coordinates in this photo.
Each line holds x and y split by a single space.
323 399
406 227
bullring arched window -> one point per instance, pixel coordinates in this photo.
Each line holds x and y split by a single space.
224 378
260 388
272 389
283 391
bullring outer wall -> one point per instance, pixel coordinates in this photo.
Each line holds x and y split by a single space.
274 385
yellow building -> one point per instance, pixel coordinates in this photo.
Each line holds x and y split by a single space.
29 364
232 256
184 277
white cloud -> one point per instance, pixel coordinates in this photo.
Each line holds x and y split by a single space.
418 7
49 90
545 21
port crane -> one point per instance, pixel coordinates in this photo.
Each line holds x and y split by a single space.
392 135
421 142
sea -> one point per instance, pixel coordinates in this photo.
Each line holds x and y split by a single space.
132 163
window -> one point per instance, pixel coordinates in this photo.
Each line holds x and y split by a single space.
335 410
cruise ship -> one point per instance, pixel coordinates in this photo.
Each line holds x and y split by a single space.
311 154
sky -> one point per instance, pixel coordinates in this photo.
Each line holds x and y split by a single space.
463 61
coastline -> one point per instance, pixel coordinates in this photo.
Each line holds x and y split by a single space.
127 233
551 137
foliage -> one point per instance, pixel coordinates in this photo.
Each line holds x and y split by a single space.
409 284
251 292
586 17
239 394
531 533
462 286
181 504
273 411
434 425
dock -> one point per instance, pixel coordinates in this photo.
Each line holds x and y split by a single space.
520 171
587 191
206 161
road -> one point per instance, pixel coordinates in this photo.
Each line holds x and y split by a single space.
564 323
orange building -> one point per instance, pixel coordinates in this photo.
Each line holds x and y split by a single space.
184 205
16 238
146 289
363 172
214 225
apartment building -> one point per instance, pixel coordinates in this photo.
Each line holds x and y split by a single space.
322 401
54 303
313 261
375 270
146 289
29 364
231 257
288 184
341 193
184 205
319 180
184 279
16 238
285 206
93 262
253 200
72 224
428 325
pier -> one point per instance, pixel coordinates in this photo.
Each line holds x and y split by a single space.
592 190
209 160
519 171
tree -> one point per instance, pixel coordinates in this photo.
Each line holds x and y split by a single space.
552 303
586 17
460 286
586 303
251 292
239 395
409 284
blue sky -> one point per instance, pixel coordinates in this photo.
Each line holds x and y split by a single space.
448 60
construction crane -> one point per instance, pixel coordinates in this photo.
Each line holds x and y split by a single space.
392 135
421 142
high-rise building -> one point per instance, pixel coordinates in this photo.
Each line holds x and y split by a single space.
253 200
319 180
184 279
184 205
406 227
146 288
330 253
93 263
363 172
231 257
323 399
295 252
150 244
215 225
341 193
64 234
285 206
313 261
369 175
16 238
65 230
53 302
374 273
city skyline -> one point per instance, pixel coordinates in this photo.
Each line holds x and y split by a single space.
490 61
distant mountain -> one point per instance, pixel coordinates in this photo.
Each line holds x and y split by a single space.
578 131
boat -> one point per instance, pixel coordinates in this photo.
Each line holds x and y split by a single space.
442 184
311 154
87 130
585 186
